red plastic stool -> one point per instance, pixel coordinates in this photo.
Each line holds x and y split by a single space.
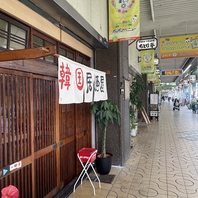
86 157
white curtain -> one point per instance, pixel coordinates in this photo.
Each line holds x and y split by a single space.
79 83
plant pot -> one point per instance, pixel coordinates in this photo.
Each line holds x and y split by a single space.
134 130
103 165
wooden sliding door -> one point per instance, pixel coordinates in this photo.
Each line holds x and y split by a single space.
39 138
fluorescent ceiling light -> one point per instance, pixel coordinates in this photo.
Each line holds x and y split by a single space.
186 75
152 10
187 68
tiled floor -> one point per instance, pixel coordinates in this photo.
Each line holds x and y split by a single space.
163 162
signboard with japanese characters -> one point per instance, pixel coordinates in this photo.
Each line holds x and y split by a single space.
79 83
182 46
16 165
177 72
146 44
147 62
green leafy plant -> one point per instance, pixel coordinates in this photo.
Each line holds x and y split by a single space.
132 117
133 125
106 113
136 103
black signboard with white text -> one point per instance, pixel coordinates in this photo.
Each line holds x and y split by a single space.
146 44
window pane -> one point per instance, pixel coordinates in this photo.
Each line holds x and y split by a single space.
62 52
85 62
3 33
66 53
17 38
37 41
80 60
70 55
48 43
49 58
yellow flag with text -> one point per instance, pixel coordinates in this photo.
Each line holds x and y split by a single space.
147 61
124 20
152 77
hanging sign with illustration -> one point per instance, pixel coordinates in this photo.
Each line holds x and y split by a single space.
124 20
147 62
152 77
179 46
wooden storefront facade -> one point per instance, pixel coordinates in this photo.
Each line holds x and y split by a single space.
39 137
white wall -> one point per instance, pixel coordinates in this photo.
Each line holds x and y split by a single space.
94 12
29 17
133 56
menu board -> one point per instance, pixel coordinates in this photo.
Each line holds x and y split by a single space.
154 99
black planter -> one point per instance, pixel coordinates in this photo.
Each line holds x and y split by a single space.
103 165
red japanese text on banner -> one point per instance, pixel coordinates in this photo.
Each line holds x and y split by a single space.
79 83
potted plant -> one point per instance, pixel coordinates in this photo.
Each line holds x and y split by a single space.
133 120
106 113
136 103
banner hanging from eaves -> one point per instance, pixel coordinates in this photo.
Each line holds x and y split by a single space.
124 20
152 77
79 83
147 61
179 46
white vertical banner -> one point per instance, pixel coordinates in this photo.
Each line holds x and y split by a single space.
100 88
65 81
89 85
79 83
104 95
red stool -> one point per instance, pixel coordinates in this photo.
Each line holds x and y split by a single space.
86 157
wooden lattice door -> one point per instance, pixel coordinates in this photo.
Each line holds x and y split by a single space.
39 138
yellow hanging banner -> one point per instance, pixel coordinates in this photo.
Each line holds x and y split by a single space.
179 46
147 62
124 20
152 77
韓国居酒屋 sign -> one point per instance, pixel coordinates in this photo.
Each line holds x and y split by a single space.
79 83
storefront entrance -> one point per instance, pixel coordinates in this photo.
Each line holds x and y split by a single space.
39 138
